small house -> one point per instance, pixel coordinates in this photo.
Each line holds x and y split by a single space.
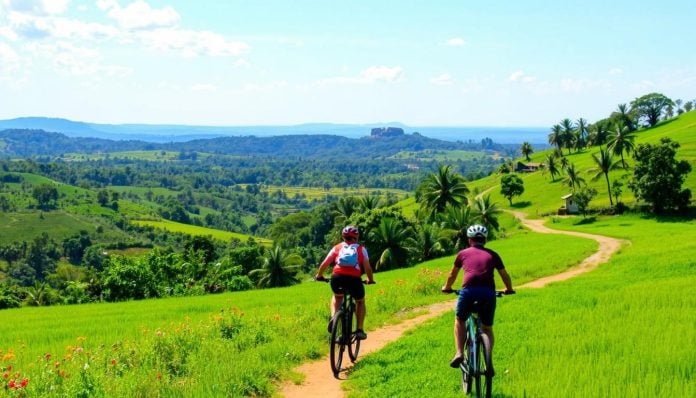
526 167
569 206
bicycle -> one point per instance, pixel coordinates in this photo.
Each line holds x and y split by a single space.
477 364
343 328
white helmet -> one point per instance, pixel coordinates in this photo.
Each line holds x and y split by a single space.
477 231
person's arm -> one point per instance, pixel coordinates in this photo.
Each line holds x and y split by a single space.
506 280
324 264
368 270
451 278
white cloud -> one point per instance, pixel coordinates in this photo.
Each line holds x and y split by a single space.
383 73
615 71
456 41
520 76
72 60
581 85
139 15
203 87
444 79
9 59
190 43
36 7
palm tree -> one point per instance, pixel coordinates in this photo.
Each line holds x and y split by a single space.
455 221
625 116
443 188
621 140
551 166
429 242
369 202
556 136
573 178
343 208
604 164
581 134
279 269
526 150
568 133
487 211
599 133
394 244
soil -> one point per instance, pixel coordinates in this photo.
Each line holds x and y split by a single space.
318 378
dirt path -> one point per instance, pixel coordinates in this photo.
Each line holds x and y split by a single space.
319 381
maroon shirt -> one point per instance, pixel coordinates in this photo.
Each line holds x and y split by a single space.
478 263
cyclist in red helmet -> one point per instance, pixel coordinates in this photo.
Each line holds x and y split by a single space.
350 260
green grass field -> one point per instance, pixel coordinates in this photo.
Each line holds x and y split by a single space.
224 236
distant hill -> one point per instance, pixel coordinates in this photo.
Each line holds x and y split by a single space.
165 133
29 143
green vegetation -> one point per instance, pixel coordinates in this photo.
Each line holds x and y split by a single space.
592 335
187 229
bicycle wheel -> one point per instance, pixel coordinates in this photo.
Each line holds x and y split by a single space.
337 343
483 378
465 367
354 344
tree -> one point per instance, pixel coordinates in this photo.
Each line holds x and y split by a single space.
551 166
46 195
428 242
604 163
526 150
556 136
658 176
279 269
625 116
650 106
511 185
582 134
394 244
621 140
487 212
583 197
568 133
441 189
455 221
573 178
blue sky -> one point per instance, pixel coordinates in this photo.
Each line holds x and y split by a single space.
280 62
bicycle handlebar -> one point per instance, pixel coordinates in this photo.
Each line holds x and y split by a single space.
322 279
498 293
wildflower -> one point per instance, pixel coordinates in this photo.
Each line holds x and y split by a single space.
113 362
159 375
12 385
8 356
6 375
56 364
86 366
81 338
47 356
24 382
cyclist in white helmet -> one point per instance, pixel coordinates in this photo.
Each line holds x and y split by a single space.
478 284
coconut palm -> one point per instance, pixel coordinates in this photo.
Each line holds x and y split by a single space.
526 150
279 269
369 202
343 208
454 221
573 178
568 133
393 242
581 134
625 116
599 133
604 164
441 189
556 136
429 242
551 165
487 212
621 140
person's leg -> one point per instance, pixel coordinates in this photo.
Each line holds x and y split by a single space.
336 302
488 330
459 330
360 311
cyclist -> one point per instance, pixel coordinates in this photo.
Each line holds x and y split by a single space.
350 260
478 263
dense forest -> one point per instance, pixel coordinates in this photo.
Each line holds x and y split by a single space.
72 208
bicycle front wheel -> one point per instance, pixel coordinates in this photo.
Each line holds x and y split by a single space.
483 377
337 343
354 344
466 367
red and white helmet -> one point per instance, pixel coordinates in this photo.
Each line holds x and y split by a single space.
350 232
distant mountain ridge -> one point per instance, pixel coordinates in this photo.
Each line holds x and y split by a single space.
162 133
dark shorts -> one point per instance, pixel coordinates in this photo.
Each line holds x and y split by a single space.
351 284
486 299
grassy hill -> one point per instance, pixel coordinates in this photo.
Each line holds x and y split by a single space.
543 195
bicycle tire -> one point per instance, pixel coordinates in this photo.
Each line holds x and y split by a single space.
354 342
337 343
465 366
483 379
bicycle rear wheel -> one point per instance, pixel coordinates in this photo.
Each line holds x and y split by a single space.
465 367
354 344
483 378
337 343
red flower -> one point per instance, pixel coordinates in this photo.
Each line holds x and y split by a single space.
24 382
12 384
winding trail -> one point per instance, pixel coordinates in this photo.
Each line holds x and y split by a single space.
319 381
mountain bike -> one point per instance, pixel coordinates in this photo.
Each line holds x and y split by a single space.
477 366
343 337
